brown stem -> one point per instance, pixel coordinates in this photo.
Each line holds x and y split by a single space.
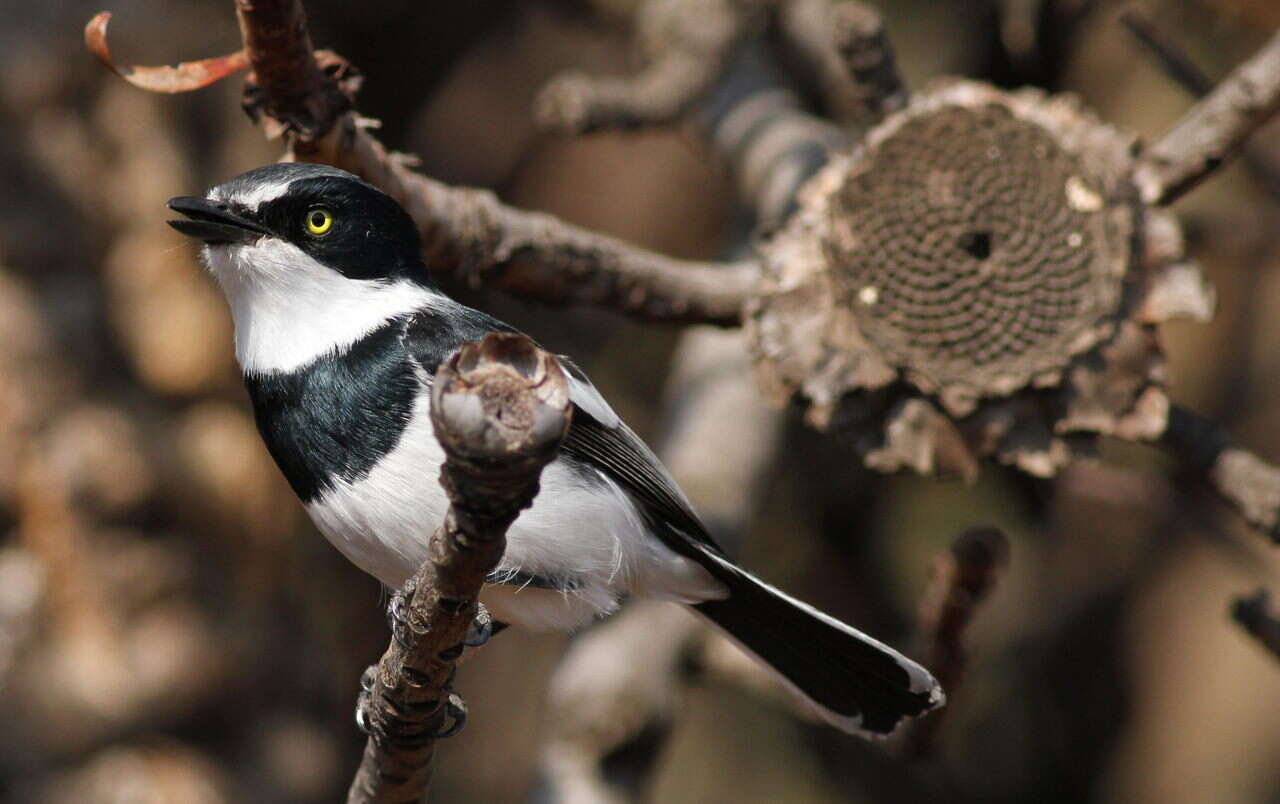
1247 482
962 578
288 84
1258 616
470 231
1213 130
500 409
534 255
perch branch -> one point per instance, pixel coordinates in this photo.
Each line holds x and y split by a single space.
961 579
530 254
534 255
1213 130
500 409
467 231
1247 482
1256 615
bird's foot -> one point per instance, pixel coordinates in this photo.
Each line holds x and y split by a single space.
367 680
398 612
482 628
454 708
455 716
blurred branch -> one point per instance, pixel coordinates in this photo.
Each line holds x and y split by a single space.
710 60
1179 65
500 409
962 578
1256 615
848 47
685 44
757 124
1243 479
689 46
303 96
1213 130
1171 58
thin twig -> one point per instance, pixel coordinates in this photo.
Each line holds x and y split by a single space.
1257 616
962 578
1213 130
500 409
1241 478
1180 66
1174 61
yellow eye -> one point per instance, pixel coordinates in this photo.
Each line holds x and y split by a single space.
319 221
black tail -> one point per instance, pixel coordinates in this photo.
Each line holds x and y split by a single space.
854 682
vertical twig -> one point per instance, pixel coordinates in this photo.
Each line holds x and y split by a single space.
500 409
288 85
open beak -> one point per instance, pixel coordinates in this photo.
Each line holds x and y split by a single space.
213 222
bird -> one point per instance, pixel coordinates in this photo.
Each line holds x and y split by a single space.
339 328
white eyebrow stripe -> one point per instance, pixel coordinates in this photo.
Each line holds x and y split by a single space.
254 198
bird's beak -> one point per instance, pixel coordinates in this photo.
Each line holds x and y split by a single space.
213 222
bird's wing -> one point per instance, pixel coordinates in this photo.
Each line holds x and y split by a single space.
597 436
621 456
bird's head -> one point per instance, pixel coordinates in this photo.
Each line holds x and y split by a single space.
310 258
289 221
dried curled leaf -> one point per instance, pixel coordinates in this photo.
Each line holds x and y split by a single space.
185 77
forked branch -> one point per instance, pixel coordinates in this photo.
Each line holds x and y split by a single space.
304 95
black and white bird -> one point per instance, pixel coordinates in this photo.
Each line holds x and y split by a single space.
338 331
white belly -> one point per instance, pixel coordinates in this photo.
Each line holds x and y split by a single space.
590 532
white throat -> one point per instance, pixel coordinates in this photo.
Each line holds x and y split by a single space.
290 310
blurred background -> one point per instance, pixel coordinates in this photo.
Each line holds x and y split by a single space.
172 629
